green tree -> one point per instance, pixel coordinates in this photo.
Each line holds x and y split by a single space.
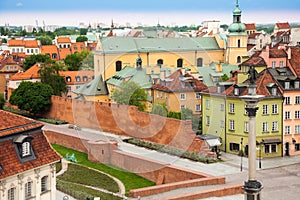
81 38
88 61
32 97
50 75
75 61
130 93
36 58
4 40
224 78
83 31
186 114
160 109
2 101
45 39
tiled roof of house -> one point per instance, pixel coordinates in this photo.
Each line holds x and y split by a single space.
251 26
63 40
64 52
179 81
31 44
277 53
31 73
73 74
49 49
15 43
254 61
78 47
11 127
253 35
250 46
295 60
285 25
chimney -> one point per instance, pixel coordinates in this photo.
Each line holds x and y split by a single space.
219 67
289 53
162 74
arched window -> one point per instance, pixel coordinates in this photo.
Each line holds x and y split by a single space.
179 62
239 43
118 66
68 79
25 149
160 62
199 62
238 59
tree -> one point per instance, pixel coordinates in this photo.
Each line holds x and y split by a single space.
83 31
159 109
81 38
186 114
88 62
32 97
45 39
2 101
130 93
4 40
75 61
36 58
50 75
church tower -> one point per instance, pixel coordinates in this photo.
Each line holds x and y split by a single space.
236 39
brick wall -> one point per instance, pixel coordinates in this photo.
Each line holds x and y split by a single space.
126 120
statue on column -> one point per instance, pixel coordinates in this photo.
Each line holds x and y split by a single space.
252 75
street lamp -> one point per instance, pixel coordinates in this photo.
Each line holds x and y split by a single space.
258 145
241 154
252 187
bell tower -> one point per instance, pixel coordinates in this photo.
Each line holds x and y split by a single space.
237 37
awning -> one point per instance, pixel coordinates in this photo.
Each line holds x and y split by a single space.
213 142
271 141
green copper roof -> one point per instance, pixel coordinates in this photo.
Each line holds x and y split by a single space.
138 45
237 10
93 88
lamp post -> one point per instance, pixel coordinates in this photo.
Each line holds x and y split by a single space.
259 164
241 153
252 187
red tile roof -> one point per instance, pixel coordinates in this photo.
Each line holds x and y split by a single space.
255 61
31 73
15 43
251 26
12 125
285 25
31 44
73 74
49 49
253 35
63 53
63 40
277 53
175 85
78 47
295 60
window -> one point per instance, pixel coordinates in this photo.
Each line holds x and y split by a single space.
274 109
118 66
274 91
85 78
199 62
297 100
182 96
297 147
207 104
297 114
281 64
238 59
207 120
44 184
287 130
274 126
28 51
28 189
54 55
273 64
231 124
239 43
297 129
11 194
296 84
25 149
75 47
222 107
231 107
270 148
179 63
160 62
68 79
236 91
198 107
234 147
287 115
77 78
265 110
265 127
287 100
182 107
198 95
31 50
36 51
246 127
286 85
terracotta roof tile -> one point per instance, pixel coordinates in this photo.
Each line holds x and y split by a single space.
253 35
31 73
14 43
63 40
9 161
78 47
277 53
31 44
251 26
73 74
255 61
63 53
285 25
295 60
177 83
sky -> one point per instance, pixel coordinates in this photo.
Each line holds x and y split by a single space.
136 12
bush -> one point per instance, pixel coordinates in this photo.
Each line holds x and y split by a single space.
2 101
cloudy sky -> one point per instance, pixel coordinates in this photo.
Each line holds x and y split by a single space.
167 12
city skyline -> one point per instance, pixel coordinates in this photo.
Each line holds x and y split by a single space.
188 12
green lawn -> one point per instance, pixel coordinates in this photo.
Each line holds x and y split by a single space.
130 180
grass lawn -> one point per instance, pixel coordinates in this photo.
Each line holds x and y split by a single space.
130 180
85 176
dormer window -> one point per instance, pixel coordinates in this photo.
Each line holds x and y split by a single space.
85 78
236 91
24 148
287 85
274 91
296 84
77 78
68 79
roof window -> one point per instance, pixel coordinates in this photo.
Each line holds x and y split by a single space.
24 148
